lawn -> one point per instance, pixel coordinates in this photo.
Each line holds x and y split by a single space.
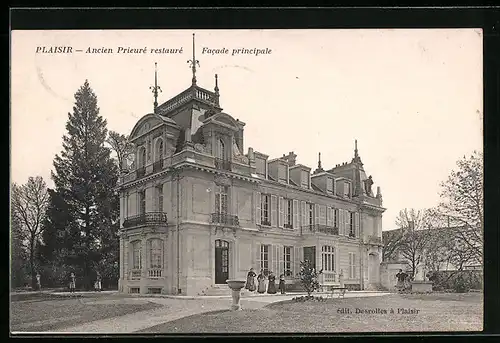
48 313
431 312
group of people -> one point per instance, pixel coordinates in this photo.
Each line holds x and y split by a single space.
72 283
403 282
264 282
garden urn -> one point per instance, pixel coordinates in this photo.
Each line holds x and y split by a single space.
236 286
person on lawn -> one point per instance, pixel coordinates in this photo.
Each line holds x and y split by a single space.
271 287
72 283
261 279
282 284
401 276
250 285
98 282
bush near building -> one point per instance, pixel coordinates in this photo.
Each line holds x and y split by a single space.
459 281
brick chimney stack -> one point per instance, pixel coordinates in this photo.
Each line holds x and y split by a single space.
291 158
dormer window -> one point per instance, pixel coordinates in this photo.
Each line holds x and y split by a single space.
347 188
304 179
142 157
282 173
260 166
221 150
329 185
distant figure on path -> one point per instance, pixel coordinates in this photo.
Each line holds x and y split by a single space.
98 282
341 278
72 283
261 279
282 284
38 283
250 285
271 288
401 276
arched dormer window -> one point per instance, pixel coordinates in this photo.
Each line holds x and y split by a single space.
221 150
141 156
159 150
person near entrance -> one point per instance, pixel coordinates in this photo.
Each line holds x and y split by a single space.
261 279
282 284
250 285
271 288
72 283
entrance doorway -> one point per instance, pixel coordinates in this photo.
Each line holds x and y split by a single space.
221 261
310 255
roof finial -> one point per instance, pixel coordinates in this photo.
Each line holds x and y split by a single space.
155 89
216 89
319 160
355 148
193 63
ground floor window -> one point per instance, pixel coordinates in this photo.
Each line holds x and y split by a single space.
328 258
136 255
264 258
288 260
352 265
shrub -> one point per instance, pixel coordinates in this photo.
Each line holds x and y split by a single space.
309 277
308 298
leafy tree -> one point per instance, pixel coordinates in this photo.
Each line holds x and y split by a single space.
462 206
309 277
82 215
29 203
17 254
123 148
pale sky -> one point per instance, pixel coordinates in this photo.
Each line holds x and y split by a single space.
412 98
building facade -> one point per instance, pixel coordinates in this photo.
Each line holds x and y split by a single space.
197 209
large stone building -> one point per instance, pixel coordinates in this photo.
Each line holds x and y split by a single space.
198 209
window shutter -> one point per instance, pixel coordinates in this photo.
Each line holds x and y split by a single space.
322 215
274 254
348 221
281 253
296 261
258 260
350 265
356 223
316 214
258 209
329 216
273 210
281 211
295 214
303 213
341 221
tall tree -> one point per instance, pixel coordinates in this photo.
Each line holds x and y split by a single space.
123 148
416 237
29 203
462 205
83 205
17 254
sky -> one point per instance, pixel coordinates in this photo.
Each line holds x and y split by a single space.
412 98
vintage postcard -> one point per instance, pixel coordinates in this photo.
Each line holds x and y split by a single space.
246 181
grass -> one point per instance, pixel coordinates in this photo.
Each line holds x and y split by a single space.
436 312
48 313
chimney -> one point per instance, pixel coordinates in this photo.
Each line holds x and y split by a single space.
291 158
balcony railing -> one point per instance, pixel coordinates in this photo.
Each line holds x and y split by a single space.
155 218
288 226
157 166
329 230
140 172
223 218
135 274
154 273
352 235
222 164
265 222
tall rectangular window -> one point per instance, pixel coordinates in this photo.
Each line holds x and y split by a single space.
352 230
136 255
266 209
221 199
159 198
142 202
260 167
347 189
287 259
155 250
310 209
289 213
336 217
328 258
264 257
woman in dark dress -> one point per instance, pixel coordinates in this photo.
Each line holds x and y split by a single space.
282 284
250 285
261 279
271 288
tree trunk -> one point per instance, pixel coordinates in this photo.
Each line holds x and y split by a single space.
32 262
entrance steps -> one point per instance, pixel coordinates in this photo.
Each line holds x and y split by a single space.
216 290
